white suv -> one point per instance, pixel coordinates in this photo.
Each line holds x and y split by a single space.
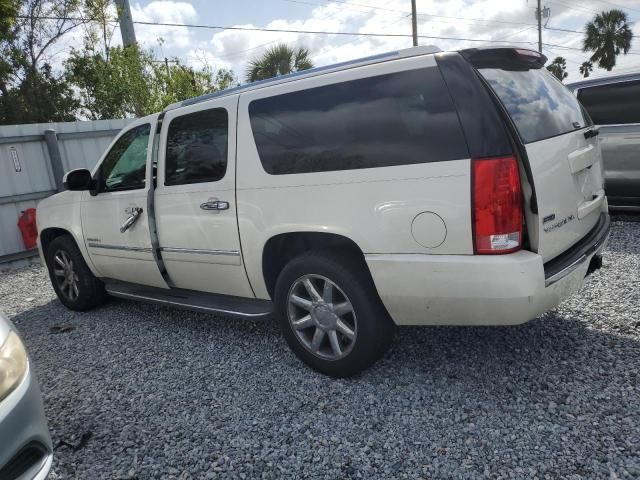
412 188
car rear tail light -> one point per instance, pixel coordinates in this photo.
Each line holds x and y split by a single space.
497 205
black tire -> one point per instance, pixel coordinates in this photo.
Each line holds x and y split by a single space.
373 330
90 291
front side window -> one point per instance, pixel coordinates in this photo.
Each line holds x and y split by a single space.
197 147
539 105
612 104
395 119
124 167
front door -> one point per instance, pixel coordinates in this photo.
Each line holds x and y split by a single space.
195 199
114 222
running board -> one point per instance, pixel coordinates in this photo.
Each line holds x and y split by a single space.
192 300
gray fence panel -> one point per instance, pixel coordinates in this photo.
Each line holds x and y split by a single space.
26 175
82 143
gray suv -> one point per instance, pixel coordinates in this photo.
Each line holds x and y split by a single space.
614 105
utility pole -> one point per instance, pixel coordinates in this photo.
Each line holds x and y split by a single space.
414 23
126 23
539 18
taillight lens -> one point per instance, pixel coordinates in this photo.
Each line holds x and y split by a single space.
497 205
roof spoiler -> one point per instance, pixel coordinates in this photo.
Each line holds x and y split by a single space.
515 59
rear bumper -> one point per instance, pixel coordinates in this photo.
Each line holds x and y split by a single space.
474 289
578 254
25 445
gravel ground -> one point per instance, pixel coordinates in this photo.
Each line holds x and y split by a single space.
162 393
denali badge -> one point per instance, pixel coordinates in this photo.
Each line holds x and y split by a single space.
559 223
549 218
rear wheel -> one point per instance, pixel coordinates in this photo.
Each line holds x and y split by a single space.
76 287
330 313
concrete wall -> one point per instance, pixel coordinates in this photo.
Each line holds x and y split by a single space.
29 171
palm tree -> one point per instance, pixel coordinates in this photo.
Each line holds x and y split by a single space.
278 60
606 36
559 68
586 68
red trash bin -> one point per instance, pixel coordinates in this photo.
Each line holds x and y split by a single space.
28 228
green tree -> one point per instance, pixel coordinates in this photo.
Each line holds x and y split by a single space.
127 82
31 90
559 68
586 68
8 12
278 60
607 35
8 31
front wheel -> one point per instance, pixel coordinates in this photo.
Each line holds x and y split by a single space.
76 287
330 313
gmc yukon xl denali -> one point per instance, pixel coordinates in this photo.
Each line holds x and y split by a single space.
413 188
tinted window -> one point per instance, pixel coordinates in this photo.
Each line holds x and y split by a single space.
124 167
397 119
539 105
197 147
612 104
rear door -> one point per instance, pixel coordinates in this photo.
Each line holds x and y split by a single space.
195 199
564 158
615 109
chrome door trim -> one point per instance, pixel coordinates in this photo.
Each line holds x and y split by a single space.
119 247
151 206
201 251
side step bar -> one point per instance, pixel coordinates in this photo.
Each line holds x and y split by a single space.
191 300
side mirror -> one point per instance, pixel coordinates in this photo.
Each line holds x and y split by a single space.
78 179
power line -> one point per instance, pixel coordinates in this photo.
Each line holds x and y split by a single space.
431 14
319 32
564 30
579 49
618 5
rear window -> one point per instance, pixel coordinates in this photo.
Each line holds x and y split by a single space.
539 105
612 104
396 119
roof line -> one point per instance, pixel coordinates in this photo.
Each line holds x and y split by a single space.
408 52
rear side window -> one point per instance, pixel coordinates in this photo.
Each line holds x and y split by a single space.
197 147
616 103
396 119
539 105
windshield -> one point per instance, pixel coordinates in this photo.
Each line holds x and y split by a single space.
539 105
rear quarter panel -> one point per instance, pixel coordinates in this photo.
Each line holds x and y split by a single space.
374 207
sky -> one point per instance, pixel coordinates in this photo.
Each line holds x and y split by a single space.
484 20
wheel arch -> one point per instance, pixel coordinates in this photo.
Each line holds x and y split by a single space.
281 248
48 234
51 233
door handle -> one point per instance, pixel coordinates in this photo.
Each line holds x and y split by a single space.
593 132
134 213
215 205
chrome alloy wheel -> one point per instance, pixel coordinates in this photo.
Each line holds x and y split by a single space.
322 317
65 276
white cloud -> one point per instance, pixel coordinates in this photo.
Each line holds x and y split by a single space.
473 19
164 11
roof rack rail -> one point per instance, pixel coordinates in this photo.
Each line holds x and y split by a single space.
408 52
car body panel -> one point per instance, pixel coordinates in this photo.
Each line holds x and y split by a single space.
620 144
374 207
201 248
